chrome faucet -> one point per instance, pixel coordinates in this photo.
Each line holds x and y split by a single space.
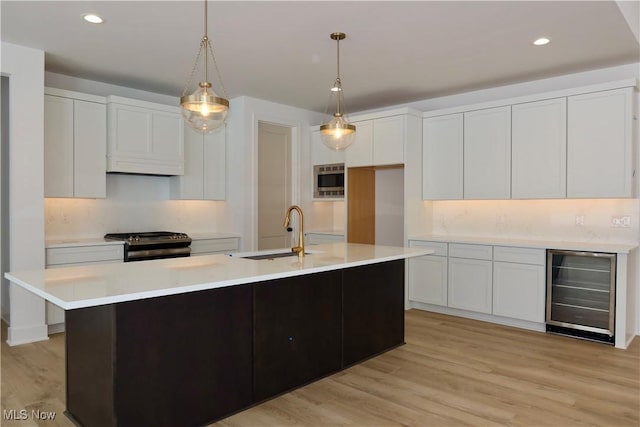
300 248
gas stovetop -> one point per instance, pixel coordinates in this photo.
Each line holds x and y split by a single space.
150 238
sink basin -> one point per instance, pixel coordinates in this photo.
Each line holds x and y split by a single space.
272 256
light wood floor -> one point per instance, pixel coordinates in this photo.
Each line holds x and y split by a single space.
451 372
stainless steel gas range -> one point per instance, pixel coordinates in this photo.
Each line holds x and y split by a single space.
152 245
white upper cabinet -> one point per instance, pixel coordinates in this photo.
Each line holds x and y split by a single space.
144 137
75 140
388 140
599 144
539 149
487 153
204 175
378 142
442 148
360 153
323 155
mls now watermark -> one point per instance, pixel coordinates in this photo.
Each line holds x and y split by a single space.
23 414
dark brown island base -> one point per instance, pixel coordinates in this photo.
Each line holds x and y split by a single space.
194 358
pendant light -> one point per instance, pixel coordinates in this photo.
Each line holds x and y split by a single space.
338 133
203 110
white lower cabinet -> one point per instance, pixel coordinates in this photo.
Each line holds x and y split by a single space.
518 291
71 256
519 283
215 246
497 280
428 274
470 284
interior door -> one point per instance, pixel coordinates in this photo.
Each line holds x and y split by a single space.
274 185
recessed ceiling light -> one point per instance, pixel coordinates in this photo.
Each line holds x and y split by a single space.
541 41
93 18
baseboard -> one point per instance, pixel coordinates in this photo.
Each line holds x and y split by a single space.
55 328
18 336
516 323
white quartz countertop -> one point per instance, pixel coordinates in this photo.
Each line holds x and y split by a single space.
621 248
92 285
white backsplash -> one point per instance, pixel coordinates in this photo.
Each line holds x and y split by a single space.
536 219
133 203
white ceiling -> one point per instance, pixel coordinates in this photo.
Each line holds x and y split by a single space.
395 52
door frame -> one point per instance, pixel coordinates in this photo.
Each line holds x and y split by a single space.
294 127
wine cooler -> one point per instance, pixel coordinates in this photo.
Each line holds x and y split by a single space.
581 294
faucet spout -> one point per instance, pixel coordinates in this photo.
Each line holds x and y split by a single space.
287 219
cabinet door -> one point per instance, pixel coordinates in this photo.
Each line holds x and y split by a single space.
373 310
360 153
428 280
90 149
388 141
323 155
167 136
297 331
215 165
519 291
442 152
190 185
539 150
487 153
129 131
58 146
599 144
470 284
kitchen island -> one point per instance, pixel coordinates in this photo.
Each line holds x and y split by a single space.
187 341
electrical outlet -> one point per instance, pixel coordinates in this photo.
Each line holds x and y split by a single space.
579 220
621 221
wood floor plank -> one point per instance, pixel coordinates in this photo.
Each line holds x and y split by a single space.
452 372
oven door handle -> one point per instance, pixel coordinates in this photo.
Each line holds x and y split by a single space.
166 252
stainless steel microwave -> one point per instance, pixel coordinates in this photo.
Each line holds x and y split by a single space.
328 181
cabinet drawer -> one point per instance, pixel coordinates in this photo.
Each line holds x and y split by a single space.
519 255
84 254
214 245
439 248
461 250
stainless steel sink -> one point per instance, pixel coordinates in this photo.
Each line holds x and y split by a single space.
273 256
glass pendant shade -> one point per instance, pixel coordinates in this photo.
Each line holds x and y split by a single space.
203 110
338 134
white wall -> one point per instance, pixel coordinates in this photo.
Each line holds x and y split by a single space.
536 219
4 202
25 68
133 203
